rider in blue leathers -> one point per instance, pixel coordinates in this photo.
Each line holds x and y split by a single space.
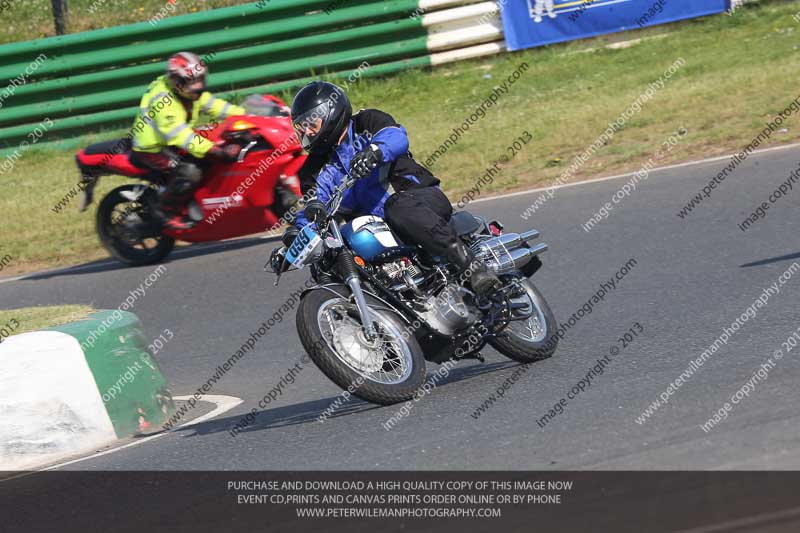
374 149
370 193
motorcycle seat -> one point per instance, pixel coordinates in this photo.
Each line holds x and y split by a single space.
110 157
464 223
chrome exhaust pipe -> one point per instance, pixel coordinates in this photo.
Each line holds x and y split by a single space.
514 259
538 249
522 256
529 235
509 241
506 253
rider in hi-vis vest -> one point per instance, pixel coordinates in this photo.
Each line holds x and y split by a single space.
167 114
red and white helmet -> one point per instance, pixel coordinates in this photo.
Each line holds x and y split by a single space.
187 74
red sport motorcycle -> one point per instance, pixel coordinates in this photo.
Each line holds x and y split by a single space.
247 196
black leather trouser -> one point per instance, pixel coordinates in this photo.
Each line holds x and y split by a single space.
421 216
184 175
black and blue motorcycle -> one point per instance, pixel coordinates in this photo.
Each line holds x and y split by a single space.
380 309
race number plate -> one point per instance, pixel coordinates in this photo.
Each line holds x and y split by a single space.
304 244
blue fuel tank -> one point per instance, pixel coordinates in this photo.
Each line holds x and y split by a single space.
370 238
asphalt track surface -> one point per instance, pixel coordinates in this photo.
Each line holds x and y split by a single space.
693 277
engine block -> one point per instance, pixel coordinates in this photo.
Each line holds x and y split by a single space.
395 270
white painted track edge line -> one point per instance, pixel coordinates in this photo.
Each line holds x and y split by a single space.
489 198
223 404
631 173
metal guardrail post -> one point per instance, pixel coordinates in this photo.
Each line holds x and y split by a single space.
60 16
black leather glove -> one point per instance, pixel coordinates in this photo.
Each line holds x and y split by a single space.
365 162
277 260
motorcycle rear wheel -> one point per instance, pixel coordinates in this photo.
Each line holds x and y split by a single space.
387 370
533 339
115 216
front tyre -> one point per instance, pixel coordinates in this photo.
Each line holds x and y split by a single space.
533 339
127 228
387 369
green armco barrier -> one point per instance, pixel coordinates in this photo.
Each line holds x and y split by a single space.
133 390
122 118
226 80
92 82
209 40
121 78
167 27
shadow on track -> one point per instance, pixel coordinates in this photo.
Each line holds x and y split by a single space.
279 417
771 260
310 411
179 254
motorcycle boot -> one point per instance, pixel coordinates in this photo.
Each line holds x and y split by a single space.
170 209
483 282
179 192
86 185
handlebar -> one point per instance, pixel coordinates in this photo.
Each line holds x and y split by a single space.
338 195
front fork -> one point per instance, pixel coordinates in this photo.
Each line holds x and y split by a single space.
363 309
349 272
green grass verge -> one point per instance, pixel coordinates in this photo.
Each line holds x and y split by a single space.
24 20
38 318
740 70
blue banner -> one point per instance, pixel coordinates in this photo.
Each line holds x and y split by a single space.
530 23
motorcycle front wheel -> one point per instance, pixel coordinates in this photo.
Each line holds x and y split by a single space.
127 230
386 369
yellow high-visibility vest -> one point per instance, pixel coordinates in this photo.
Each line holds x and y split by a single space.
163 120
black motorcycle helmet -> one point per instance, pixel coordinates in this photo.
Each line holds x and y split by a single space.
320 113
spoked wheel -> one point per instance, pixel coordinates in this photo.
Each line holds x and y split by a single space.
128 230
385 369
531 339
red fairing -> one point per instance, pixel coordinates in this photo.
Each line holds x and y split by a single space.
111 164
236 198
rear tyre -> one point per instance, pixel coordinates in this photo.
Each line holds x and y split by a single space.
386 370
533 339
128 229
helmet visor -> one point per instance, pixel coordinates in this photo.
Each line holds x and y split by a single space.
191 88
310 124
